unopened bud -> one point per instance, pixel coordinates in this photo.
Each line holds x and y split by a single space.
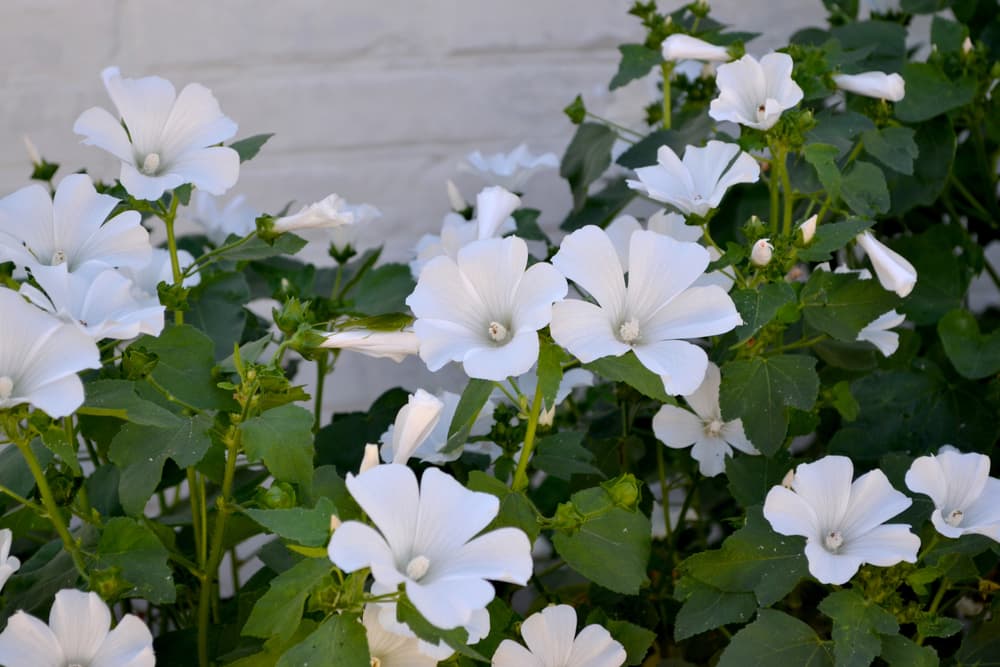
455 198
787 480
624 491
370 458
762 253
546 417
808 229
966 47
335 522
36 158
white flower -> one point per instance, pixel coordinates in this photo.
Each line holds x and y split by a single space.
807 229
879 85
484 309
843 522
429 539
395 345
70 229
342 236
651 315
369 459
674 226
236 217
493 208
158 270
101 302
894 272
477 628
164 140
40 356
713 438
331 211
755 93
429 449
877 332
390 649
78 634
685 47
553 642
414 422
508 170
696 184
966 499
8 564
455 198
761 253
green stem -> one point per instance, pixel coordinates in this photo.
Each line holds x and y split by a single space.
971 199
773 184
667 69
620 129
321 371
680 517
935 603
661 468
34 507
213 255
51 507
799 344
167 394
787 195
521 474
175 266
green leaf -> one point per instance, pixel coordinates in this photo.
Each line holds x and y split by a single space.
184 367
706 608
751 477
893 146
310 527
943 277
981 647
947 35
753 559
759 389
283 439
831 237
257 249
550 372
117 398
823 158
341 637
628 369
526 220
562 455
515 508
137 552
838 130
278 611
857 625
383 290
601 207
249 147
899 651
637 60
474 397
864 190
216 307
14 472
140 452
973 354
456 638
844 401
841 304
930 92
611 546
776 638
587 157
885 40
759 306
54 437
938 626
634 638
936 145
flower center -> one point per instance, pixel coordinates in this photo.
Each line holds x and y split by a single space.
761 112
417 567
376 662
833 541
953 519
58 257
628 332
6 387
151 164
498 332
713 428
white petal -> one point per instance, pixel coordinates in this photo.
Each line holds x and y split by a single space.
732 432
144 104
884 545
711 453
213 170
150 188
685 47
620 231
585 330
680 364
130 644
694 313
512 654
81 622
493 206
594 647
414 422
650 288
449 603
449 515
790 514
443 294
195 121
500 362
825 485
873 501
894 272
926 476
395 514
676 427
101 129
879 85
503 554
354 545
442 341
985 509
966 475
549 634
538 289
829 568
781 87
673 225
588 258
27 642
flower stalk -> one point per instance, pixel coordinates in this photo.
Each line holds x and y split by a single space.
667 68
169 217
521 474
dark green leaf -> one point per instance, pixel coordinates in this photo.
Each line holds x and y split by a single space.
899 651
981 648
457 638
601 207
562 455
340 637
515 508
777 639
587 157
930 92
278 611
526 220
759 306
893 146
283 439
838 129
628 369
383 290
973 354
257 249
936 144
857 625
133 548
634 638
831 237
823 158
118 397
947 35
310 527
706 608
943 277
864 190
637 60
751 477
841 304
249 147
216 307
474 397
550 372
887 38
184 367
938 626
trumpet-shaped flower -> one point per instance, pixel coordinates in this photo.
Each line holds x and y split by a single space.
696 184
331 211
8 564
651 315
347 235
843 522
40 356
159 270
807 230
37 230
391 649
879 85
430 448
485 308
163 139
396 345
78 634
508 170
755 93
101 302
236 217
685 47
712 438
966 499
877 332
427 537
414 423
894 272
552 641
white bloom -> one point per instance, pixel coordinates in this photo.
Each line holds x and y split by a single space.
78 634
390 649
331 211
428 538
807 229
966 499
342 236
477 628
755 93
893 270
685 47
696 184
877 332
8 564
552 641
100 301
455 198
508 170
430 446
236 217
395 345
414 422
484 309
651 315
761 253
157 270
40 356
170 139
843 522
493 208
879 85
70 229
369 459
713 438
966 47
674 226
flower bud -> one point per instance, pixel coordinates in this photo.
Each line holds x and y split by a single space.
685 47
279 496
807 229
35 156
966 47
370 458
624 491
761 253
789 477
879 85
894 272
455 198
335 522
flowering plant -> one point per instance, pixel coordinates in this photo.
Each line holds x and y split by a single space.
741 412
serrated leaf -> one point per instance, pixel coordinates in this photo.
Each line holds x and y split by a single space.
831 237
637 60
249 147
893 146
864 190
634 638
751 477
515 508
184 367
257 249
857 626
283 439
562 455
758 307
278 611
930 92
118 399
776 638
823 159
550 372
899 651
